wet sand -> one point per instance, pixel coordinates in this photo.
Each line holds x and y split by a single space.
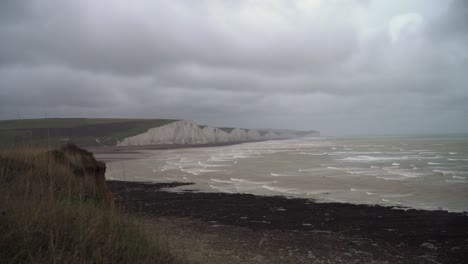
244 228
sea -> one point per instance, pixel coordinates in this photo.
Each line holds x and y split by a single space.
407 172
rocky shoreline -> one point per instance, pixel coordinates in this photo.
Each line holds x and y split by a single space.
308 232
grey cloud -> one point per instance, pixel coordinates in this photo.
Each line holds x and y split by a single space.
453 23
126 44
332 66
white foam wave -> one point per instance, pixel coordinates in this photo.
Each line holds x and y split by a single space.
195 172
313 154
457 159
459 177
252 182
244 157
220 181
396 195
456 181
372 158
405 173
220 159
204 170
426 152
395 164
308 170
356 152
335 168
282 175
205 165
363 172
391 178
453 153
450 172
279 189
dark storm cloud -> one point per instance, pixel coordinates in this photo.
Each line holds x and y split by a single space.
353 67
453 23
93 38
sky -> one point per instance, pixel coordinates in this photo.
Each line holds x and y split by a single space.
344 67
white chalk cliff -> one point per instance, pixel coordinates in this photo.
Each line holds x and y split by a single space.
189 132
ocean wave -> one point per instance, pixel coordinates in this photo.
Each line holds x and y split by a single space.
313 154
355 152
335 168
183 163
456 181
391 178
405 173
396 195
169 167
253 182
204 170
450 172
246 157
457 159
427 152
220 181
220 159
373 158
205 165
423 157
282 175
313 169
363 172
195 172
280 189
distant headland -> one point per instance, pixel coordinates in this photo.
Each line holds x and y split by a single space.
131 132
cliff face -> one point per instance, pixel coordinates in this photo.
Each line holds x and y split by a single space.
189 132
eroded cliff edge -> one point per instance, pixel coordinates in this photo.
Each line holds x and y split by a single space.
191 133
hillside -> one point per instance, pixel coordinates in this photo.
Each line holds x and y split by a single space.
81 131
128 132
56 208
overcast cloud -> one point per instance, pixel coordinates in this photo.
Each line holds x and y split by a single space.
342 67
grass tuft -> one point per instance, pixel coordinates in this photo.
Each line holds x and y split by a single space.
49 215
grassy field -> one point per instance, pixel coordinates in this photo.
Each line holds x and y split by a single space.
50 215
81 131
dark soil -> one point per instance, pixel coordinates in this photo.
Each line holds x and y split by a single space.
348 233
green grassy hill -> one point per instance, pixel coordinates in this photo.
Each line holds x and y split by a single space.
81 131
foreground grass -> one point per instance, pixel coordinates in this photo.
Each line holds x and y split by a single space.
49 215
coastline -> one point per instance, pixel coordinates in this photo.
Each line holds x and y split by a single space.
245 228
121 153
306 231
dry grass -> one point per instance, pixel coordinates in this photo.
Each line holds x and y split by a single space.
49 215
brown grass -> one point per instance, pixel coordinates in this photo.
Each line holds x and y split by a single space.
48 215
